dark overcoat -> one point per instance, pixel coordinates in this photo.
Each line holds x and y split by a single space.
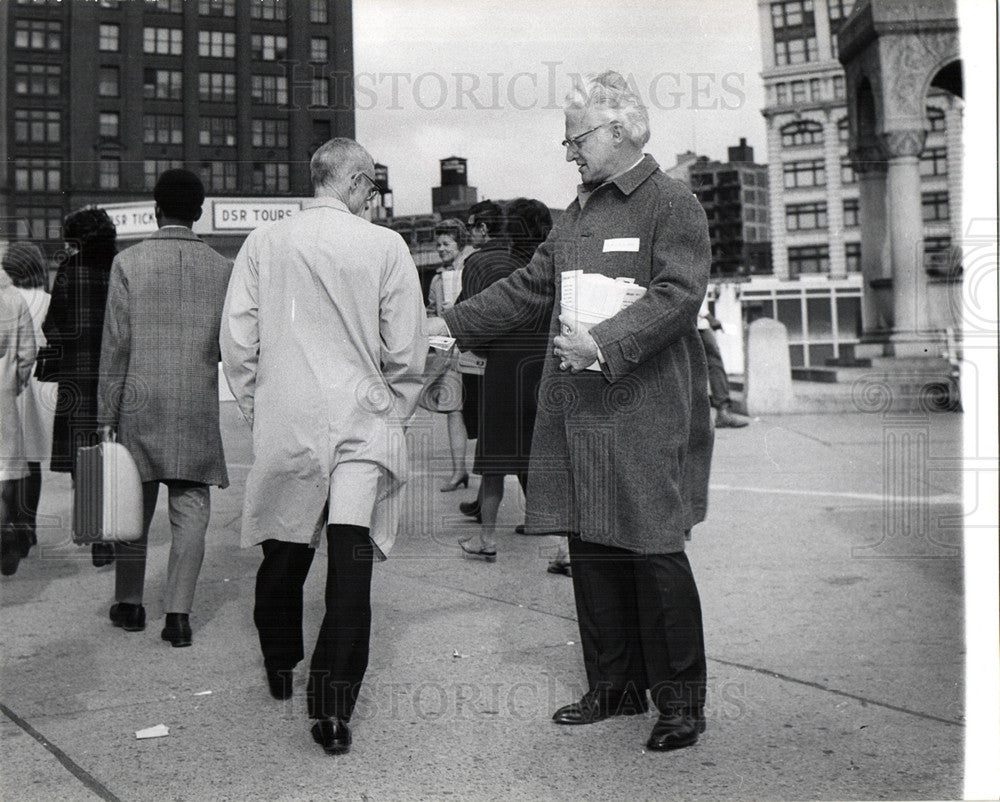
620 456
159 379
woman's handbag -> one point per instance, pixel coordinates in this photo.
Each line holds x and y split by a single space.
107 495
47 363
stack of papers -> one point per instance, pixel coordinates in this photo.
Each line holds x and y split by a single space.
589 298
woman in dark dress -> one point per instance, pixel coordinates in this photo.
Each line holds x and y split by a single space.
510 380
74 324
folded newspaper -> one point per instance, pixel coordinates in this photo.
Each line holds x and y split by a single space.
589 298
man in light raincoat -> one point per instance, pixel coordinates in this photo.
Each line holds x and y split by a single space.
323 347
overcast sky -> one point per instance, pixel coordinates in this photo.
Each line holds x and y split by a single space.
485 80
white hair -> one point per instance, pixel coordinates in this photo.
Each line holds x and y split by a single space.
336 160
610 91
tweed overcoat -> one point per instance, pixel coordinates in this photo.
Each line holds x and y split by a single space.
620 456
159 380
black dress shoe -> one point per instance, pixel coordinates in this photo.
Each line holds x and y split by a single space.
599 705
333 735
177 629
130 617
102 554
279 683
674 731
470 508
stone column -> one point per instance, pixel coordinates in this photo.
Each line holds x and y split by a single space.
906 232
876 307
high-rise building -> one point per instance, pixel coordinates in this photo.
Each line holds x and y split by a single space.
101 96
814 191
735 198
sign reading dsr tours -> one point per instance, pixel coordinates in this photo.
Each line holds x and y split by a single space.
236 216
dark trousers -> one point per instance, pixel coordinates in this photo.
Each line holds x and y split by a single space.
340 658
640 624
718 382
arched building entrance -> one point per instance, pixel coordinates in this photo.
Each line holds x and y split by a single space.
896 55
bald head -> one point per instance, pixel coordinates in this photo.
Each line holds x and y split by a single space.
335 161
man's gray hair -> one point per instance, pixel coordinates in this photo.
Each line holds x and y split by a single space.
611 91
336 160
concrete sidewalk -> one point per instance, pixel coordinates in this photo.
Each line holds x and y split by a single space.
831 580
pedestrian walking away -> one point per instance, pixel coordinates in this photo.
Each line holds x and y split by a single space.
159 394
323 346
620 455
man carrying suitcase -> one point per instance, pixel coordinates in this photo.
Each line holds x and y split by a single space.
158 390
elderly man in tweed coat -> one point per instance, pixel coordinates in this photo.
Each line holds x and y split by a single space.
620 456
159 389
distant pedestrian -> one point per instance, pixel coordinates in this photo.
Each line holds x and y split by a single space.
620 456
159 392
717 379
323 346
73 326
17 357
26 266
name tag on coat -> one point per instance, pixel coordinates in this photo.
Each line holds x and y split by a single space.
622 244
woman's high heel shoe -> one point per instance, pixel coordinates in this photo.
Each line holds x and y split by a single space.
461 482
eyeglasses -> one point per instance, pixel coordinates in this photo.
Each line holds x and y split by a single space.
574 141
374 190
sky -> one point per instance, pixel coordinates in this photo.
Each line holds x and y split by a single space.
485 80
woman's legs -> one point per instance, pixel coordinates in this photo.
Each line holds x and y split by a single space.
458 440
490 496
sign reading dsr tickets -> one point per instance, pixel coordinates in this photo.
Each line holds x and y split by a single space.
230 216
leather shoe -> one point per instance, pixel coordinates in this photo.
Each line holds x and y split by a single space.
279 683
333 735
470 508
674 731
102 554
177 629
130 617
599 705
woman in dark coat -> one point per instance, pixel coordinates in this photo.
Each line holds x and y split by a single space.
510 381
74 324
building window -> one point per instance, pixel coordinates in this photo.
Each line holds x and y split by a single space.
798 91
843 130
161 84
319 48
808 259
36 125
805 132
153 168
270 177
40 175
36 34
795 51
107 38
805 174
219 176
109 172
792 14
162 41
851 209
934 161
934 206
217 87
805 216
216 44
271 89
269 133
217 131
163 129
107 82
268 9
838 87
815 89
40 80
165 6
107 124
39 222
939 257
847 174
852 257
781 94
321 132
268 47
935 118
320 92
318 12
217 8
